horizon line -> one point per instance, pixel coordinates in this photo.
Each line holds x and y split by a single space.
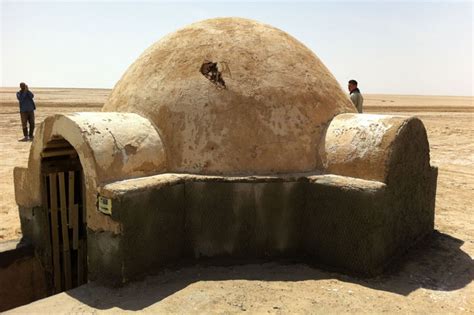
365 93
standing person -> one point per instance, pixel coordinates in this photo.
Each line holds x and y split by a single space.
355 95
27 111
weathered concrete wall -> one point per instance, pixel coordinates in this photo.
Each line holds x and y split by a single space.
152 236
243 219
22 278
105 256
412 182
278 95
36 232
346 223
393 150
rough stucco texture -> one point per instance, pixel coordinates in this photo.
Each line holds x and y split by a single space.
277 94
370 146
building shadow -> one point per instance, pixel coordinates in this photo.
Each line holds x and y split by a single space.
436 263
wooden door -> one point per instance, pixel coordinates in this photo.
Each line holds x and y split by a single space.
63 195
67 225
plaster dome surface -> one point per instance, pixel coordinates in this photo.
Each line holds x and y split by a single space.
267 115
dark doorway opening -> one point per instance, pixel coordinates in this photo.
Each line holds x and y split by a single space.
63 196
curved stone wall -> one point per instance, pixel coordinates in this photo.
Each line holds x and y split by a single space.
367 146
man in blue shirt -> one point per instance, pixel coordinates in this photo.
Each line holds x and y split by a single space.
27 111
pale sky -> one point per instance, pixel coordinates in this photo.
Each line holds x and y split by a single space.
423 48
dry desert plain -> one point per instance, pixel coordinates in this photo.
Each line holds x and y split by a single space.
436 276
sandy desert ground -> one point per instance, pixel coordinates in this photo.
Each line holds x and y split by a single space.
436 276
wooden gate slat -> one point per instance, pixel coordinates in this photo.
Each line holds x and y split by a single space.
73 212
65 232
83 225
84 201
75 231
70 198
47 210
54 231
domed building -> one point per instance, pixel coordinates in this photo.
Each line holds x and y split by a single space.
226 139
266 116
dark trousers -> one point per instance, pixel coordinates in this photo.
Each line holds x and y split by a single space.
28 117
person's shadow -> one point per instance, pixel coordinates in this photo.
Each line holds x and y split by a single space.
436 263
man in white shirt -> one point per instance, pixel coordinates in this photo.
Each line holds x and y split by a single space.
355 95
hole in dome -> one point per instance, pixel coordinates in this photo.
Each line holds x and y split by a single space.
211 71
